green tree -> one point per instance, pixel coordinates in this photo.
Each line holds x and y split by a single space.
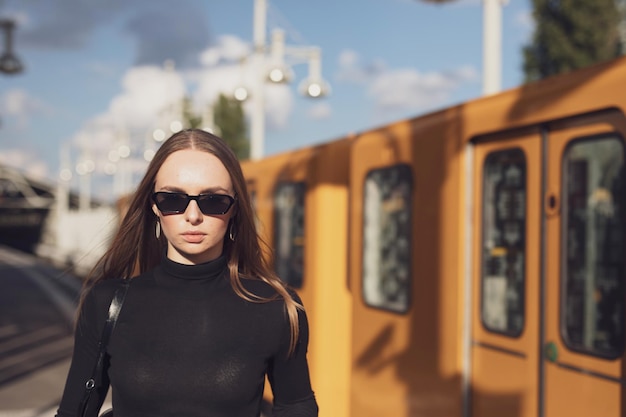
230 120
571 34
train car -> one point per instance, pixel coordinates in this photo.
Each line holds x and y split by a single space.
470 261
301 202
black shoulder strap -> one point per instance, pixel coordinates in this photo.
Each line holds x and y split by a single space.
96 375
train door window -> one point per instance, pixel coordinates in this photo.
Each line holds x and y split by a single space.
289 232
504 242
387 238
592 308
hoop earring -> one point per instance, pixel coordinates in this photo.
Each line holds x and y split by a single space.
231 231
157 230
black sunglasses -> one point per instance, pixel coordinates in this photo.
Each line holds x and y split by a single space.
176 203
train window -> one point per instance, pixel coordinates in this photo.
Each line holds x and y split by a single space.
289 232
387 238
503 272
592 308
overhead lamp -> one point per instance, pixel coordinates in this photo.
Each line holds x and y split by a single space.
85 167
123 151
148 154
241 94
158 135
278 71
280 74
314 88
314 85
9 62
114 155
176 126
65 174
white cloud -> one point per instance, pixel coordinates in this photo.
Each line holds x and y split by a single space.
320 111
148 93
147 101
402 89
26 162
216 80
408 89
148 97
21 107
228 48
351 69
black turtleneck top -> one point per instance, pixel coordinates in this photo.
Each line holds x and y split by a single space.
186 344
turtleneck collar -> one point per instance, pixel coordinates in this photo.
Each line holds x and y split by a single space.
207 270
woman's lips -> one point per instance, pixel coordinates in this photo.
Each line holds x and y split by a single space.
193 237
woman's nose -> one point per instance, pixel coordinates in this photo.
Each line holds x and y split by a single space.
193 214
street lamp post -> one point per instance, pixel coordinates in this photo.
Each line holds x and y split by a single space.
314 86
9 62
84 168
258 106
492 46
65 175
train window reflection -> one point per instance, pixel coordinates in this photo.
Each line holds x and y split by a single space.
387 238
504 242
289 232
592 309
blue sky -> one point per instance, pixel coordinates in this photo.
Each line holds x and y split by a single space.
94 70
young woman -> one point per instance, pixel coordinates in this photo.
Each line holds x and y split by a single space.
204 319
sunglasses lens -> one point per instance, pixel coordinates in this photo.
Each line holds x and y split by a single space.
176 203
171 202
215 203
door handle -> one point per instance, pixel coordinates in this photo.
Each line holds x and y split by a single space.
551 352
552 204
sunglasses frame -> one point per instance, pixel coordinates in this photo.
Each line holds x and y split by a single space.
189 199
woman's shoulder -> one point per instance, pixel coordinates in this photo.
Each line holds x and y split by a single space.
102 292
97 299
105 288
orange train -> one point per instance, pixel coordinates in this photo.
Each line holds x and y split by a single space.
468 262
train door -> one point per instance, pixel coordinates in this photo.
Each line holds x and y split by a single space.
404 216
381 189
583 347
548 277
506 284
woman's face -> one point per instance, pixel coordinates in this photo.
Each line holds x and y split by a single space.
193 237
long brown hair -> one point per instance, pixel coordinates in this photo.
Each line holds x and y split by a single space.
135 248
